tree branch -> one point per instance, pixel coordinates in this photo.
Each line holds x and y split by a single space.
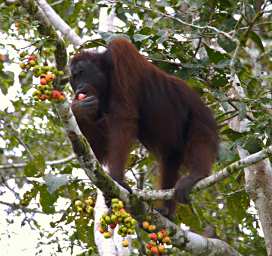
209 181
59 23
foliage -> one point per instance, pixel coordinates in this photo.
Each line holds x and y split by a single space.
200 54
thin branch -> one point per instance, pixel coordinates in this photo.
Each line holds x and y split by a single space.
22 208
217 31
50 163
4 182
16 134
209 181
197 47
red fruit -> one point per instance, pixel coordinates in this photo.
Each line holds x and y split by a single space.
113 225
155 250
149 246
153 236
43 81
56 94
32 57
81 96
164 232
43 97
123 210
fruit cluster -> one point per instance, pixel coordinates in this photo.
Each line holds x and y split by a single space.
158 240
47 75
84 207
120 216
27 197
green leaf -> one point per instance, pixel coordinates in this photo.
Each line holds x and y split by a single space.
256 39
215 56
231 134
30 169
47 200
226 43
240 199
252 144
6 79
185 215
35 167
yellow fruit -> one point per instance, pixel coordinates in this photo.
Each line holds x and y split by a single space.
89 201
151 228
161 249
107 235
60 73
108 219
130 231
120 204
166 240
125 243
22 65
101 230
36 93
78 203
32 63
145 224
114 201
79 209
61 98
128 220
113 218
133 222
49 77
89 209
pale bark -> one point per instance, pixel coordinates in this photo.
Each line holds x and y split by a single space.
59 23
258 178
105 247
258 182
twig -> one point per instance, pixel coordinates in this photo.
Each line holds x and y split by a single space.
50 163
217 31
16 134
198 47
22 208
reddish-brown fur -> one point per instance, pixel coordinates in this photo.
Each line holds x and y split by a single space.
136 100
